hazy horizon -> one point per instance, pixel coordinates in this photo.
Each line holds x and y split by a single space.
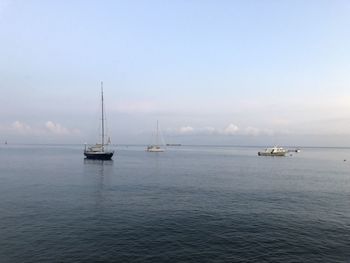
212 72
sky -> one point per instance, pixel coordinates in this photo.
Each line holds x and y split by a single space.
212 72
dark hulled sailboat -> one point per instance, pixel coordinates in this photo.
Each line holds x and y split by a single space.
99 151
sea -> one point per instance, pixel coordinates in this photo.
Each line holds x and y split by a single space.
188 204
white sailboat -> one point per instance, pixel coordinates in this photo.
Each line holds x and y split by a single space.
99 151
155 147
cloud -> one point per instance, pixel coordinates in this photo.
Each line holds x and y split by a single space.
189 130
333 127
253 131
58 129
231 129
22 128
186 130
50 127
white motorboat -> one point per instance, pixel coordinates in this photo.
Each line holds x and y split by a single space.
274 151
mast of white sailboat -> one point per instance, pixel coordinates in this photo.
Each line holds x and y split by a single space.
103 126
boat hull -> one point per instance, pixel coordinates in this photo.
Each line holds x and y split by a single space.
155 150
99 155
271 154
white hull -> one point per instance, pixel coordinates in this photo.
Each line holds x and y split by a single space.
272 154
154 149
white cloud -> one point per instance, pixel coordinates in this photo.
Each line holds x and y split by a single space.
253 131
189 130
21 127
58 129
50 127
186 130
231 129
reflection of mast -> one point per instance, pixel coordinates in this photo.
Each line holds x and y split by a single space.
99 187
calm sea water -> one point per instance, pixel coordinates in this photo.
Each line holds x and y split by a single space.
189 204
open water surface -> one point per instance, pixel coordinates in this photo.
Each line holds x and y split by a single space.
188 204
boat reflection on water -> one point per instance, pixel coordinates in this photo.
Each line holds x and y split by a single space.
98 167
97 176
98 162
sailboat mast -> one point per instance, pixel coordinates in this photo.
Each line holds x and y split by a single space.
157 140
103 126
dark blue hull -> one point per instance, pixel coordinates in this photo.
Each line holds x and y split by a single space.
99 155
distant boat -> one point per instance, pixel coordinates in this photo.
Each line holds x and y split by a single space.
98 151
294 150
155 147
274 151
173 144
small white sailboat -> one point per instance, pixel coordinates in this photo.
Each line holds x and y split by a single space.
99 151
155 147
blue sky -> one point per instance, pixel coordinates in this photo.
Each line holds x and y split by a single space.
227 72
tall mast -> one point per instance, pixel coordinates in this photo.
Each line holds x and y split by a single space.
103 126
157 135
